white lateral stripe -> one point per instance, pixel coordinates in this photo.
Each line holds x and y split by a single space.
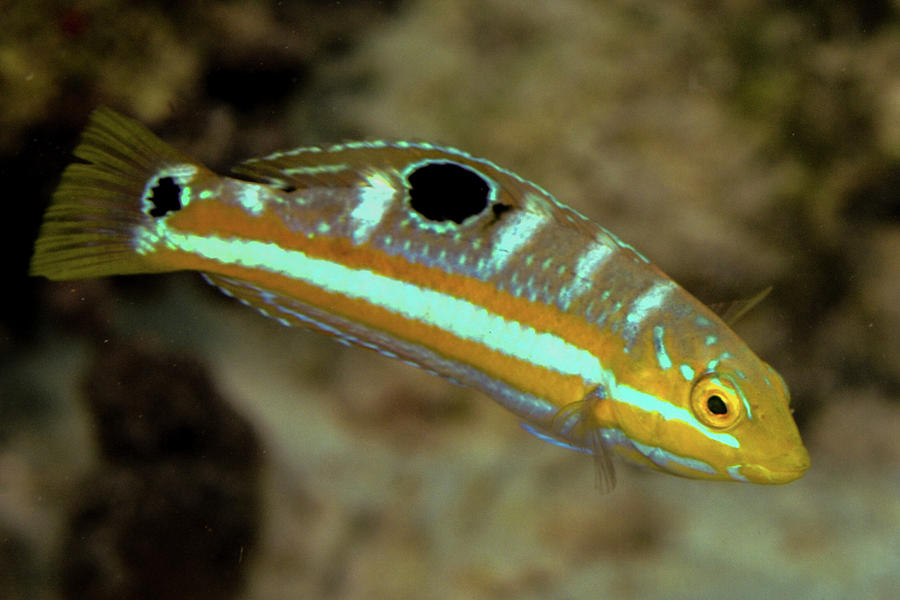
516 233
652 404
375 198
457 316
585 267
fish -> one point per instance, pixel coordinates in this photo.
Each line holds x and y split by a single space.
448 262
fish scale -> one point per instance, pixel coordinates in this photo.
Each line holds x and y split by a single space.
450 263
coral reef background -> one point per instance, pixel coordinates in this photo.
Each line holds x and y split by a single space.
738 145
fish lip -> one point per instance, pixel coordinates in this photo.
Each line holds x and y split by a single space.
761 474
784 476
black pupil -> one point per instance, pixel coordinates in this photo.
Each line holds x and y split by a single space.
445 191
716 405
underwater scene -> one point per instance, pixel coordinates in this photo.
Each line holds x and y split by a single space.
631 272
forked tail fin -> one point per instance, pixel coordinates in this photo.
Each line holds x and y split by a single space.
88 228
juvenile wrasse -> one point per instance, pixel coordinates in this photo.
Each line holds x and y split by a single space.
448 262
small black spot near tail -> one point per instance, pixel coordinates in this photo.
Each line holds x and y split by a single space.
101 203
165 196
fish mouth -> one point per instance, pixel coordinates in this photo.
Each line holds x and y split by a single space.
785 470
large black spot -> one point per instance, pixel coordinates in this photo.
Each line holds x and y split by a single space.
446 191
165 196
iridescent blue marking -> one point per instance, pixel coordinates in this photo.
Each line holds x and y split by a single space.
315 170
553 439
662 356
606 314
251 198
515 234
622 244
375 199
711 365
740 393
654 297
181 174
585 268
735 472
659 457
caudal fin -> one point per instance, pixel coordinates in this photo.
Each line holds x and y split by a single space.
88 229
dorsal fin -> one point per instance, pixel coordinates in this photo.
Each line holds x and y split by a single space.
296 169
731 312
338 164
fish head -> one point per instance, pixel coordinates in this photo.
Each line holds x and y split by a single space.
728 419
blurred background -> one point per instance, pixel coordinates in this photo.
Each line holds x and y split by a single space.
158 440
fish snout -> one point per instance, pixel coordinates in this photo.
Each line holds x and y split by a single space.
780 469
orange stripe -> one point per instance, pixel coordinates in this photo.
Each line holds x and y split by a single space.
523 375
228 221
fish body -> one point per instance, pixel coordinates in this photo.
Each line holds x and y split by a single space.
448 262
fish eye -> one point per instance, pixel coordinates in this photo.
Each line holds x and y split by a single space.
715 402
